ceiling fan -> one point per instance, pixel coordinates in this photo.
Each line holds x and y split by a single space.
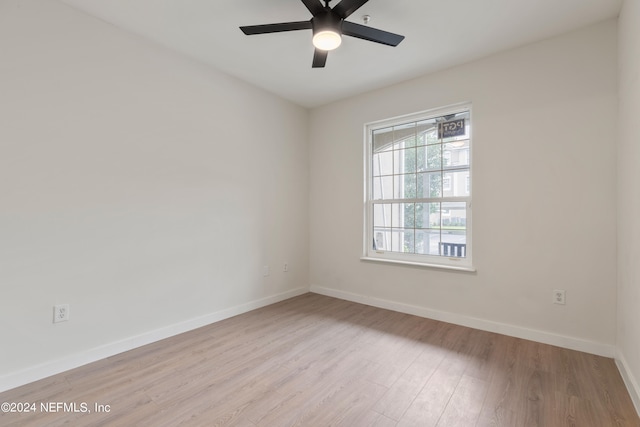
328 25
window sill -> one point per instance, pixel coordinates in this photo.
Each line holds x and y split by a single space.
470 269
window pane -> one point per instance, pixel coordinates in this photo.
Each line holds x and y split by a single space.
446 185
454 243
404 161
409 240
459 154
381 239
454 184
402 240
405 135
446 158
396 242
435 216
402 215
454 215
421 159
427 242
382 215
427 132
382 163
404 186
434 157
382 139
382 187
429 185
424 215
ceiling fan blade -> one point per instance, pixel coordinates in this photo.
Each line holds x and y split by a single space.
319 58
347 7
314 6
276 28
371 34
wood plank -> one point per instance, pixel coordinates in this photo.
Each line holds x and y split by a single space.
428 406
465 404
402 394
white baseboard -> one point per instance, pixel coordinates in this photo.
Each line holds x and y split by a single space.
629 380
44 370
476 323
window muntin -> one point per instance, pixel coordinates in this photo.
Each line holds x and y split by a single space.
418 199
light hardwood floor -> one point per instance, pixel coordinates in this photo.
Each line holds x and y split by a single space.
319 361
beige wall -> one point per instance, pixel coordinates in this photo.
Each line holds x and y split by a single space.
143 189
629 195
544 186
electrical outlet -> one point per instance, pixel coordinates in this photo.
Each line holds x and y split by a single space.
285 268
60 313
265 270
559 296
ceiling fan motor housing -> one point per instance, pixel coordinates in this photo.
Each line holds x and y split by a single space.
327 21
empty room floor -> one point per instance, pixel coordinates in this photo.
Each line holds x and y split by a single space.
320 361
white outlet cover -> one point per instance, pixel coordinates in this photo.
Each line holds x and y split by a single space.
60 313
559 296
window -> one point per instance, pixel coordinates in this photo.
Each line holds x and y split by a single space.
418 189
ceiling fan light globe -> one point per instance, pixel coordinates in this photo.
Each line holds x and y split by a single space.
327 40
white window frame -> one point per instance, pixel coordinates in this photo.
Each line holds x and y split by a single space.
371 254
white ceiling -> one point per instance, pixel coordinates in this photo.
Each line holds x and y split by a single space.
439 34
